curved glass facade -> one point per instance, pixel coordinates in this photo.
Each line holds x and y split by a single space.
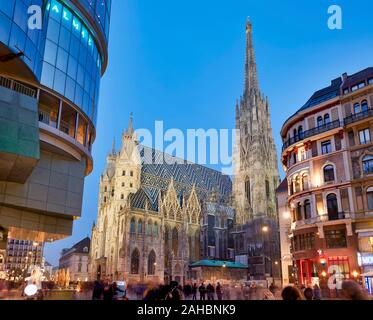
14 32
71 63
100 11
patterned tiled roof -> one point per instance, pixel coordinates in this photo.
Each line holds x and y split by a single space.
158 168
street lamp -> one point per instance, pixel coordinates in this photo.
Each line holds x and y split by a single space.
265 229
35 245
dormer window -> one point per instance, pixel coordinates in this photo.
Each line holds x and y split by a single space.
85 249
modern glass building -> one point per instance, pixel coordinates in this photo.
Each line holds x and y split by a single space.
50 70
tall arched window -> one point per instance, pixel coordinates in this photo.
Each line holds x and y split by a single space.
307 209
300 132
297 184
320 121
155 230
151 263
299 212
149 228
133 226
166 246
370 198
332 205
327 118
139 227
356 108
135 261
329 173
305 182
295 134
368 164
175 242
364 106
247 190
104 237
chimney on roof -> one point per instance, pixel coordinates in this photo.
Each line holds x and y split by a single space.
344 76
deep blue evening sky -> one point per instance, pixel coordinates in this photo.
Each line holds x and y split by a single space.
181 61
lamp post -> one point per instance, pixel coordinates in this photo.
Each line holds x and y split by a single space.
35 245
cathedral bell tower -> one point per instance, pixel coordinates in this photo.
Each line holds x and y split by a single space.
255 162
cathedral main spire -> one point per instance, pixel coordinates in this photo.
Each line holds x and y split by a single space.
251 80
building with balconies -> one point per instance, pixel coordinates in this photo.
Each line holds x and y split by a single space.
328 160
49 93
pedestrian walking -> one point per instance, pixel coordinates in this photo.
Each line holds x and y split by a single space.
97 291
187 291
219 291
202 291
210 292
308 293
194 291
291 293
351 290
116 290
316 292
108 291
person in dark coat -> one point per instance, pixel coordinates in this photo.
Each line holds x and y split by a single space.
219 291
97 291
210 292
108 291
202 292
194 291
187 290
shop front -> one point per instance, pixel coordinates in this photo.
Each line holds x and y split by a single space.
366 263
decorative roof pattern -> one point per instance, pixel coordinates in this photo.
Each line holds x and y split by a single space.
158 168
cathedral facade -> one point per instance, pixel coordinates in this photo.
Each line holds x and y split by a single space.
256 175
153 215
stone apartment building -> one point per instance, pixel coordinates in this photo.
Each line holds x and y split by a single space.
328 160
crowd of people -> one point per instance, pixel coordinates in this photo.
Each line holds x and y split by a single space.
351 290
106 290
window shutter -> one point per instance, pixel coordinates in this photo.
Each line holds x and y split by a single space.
347 108
311 122
338 144
351 139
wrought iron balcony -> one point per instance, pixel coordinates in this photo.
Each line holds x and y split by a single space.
312 132
358 116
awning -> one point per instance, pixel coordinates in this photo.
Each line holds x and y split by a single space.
218 263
